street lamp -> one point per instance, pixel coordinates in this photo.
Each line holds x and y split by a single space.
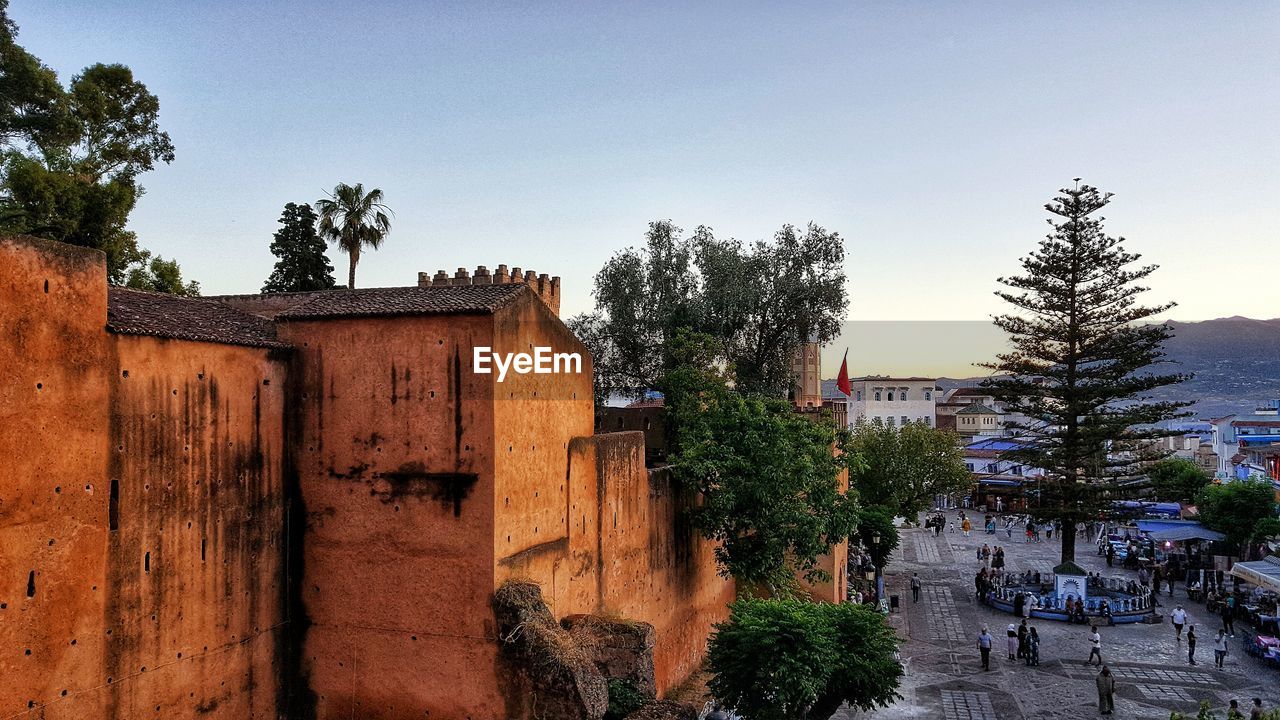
875 541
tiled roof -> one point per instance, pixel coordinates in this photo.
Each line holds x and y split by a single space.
977 409
1256 423
135 312
431 300
970 391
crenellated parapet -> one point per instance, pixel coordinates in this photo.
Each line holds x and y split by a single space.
546 287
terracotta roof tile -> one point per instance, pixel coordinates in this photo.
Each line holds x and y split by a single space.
431 300
135 312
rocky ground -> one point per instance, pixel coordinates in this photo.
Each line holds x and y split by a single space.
944 678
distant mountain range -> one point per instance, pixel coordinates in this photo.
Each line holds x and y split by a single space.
1235 361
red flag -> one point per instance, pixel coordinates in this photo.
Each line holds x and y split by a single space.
842 381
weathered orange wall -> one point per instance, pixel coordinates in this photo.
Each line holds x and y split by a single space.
53 496
195 572
396 475
182 450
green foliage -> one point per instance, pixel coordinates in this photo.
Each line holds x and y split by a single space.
903 469
768 477
302 264
793 659
1236 508
759 301
1266 528
1080 368
1176 479
72 156
159 275
624 699
354 220
877 522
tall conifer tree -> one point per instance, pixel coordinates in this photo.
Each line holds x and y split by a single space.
302 264
1080 370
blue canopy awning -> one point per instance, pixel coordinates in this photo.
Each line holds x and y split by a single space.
1176 531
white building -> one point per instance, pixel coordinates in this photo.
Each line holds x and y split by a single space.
892 401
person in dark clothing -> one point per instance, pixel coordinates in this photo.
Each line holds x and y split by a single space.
1023 634
1106 683
1191 644
1229 618
1111 554
915 587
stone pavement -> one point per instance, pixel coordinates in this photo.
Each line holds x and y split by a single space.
944 678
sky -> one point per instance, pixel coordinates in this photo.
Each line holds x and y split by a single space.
549 135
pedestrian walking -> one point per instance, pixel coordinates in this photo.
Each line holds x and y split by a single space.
1033 647
1023 634
1191 644
1255 713
1106 683
1229 615
1111 554
1179 618
966 526
1095 647
1233 711
1220 648
915 587
984 648
1011 636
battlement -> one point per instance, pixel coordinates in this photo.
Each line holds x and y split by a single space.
547 287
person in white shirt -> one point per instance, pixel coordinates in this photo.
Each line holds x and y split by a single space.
1095 646
1179 618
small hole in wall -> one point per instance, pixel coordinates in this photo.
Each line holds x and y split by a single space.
46 292
200 376
175 391
146 562
266 382
432 393
124 373
39 386
57 489
31 584
202 549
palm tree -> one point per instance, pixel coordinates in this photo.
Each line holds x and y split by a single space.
353 219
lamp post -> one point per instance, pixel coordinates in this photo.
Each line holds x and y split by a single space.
875 543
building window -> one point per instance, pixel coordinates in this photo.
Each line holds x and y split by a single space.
905 420
890 398
969 466
928 421
890 421
903 396
993 468
877 396
859 395
928 395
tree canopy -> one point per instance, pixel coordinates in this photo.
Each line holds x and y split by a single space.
800 660
72 156
301 264
759 301
1080 368
1237 509
768 476
1176 479
903 469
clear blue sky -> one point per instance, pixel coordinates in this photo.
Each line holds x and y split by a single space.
927 134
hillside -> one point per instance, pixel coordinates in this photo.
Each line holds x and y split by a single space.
1235 360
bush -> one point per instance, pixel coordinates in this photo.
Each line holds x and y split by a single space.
799 660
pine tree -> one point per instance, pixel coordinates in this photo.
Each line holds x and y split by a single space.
1080 370
302 264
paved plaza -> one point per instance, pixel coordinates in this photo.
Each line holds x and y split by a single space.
944 677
